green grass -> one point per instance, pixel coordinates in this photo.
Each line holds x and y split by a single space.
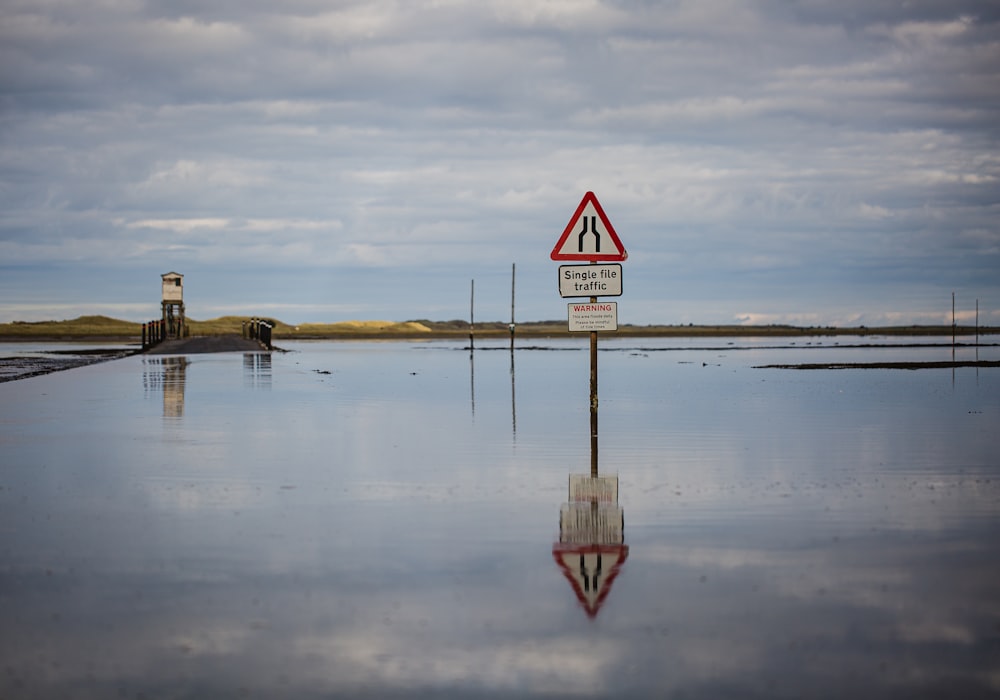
224 325
83 327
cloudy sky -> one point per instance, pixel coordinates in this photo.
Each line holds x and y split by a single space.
808 162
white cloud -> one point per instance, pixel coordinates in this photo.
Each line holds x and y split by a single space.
908 32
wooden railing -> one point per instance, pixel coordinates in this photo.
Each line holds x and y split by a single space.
258 329
153 333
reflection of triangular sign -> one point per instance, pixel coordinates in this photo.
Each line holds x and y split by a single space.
589 235
590 570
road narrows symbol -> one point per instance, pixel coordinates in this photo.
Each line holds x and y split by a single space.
588 578
593 230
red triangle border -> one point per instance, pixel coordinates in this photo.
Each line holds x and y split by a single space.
589 198
621 549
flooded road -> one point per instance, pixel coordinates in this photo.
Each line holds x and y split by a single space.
406 520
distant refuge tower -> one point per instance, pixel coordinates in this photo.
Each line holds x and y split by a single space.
173 304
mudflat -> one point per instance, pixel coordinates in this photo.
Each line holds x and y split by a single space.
12 368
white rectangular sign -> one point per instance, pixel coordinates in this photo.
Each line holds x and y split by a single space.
590 280
593 316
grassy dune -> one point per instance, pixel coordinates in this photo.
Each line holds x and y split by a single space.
82 328
104 328
333 330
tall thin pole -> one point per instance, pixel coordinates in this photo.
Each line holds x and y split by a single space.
472 314
953 326
513 267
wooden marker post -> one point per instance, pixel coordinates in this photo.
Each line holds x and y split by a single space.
593 399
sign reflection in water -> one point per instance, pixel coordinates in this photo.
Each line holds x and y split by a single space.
591 548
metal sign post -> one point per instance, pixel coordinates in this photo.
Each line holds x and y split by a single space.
593 399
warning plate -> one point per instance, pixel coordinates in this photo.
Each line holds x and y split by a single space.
590 317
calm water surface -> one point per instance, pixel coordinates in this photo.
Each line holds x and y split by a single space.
383 520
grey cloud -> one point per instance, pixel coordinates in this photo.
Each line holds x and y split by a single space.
750 128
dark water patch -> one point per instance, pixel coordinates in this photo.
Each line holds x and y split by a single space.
884 365
527 347
805 346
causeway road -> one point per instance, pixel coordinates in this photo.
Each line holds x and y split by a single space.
206 343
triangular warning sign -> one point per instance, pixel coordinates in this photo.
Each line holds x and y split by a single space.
590 570
589 235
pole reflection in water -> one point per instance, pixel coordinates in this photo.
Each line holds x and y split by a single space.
513 402
513 391
167 375
472 381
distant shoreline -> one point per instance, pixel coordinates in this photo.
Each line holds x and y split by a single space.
961 337
104 329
